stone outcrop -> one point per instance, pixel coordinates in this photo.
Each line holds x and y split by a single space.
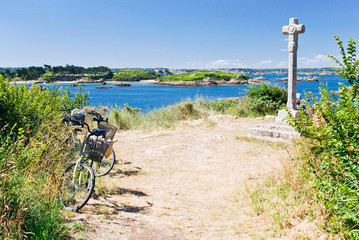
122 85
303 79
103 87
261 78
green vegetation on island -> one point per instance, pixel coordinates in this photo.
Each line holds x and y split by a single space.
48 73
200 75
134 75
57 73
203 78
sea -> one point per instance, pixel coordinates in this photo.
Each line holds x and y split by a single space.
148 97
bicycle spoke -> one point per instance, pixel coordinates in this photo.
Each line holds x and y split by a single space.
76 186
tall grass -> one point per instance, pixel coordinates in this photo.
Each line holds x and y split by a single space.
33 154
288 201
129 118
30 167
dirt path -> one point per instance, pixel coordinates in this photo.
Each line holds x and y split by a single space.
185 183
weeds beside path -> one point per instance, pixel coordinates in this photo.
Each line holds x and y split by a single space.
185 183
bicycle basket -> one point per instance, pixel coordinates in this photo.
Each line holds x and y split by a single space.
111 130
96 147
78 115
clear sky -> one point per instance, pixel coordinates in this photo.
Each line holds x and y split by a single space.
171 33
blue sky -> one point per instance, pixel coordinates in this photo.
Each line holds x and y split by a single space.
171 33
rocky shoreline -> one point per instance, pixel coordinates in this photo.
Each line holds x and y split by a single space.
211 82
206 82
299 79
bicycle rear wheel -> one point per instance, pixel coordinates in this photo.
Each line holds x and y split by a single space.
77 185
106 165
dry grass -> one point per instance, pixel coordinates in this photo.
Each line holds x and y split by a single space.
199 181
287 201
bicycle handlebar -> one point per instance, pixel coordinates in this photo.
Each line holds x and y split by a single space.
98 118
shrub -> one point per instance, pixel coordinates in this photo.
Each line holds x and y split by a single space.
266 98
30 107
330 147
32 158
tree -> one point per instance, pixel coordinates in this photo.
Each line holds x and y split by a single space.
167 72
47 68
47 76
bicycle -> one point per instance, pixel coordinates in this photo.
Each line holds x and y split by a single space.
107 162
78 181
75 138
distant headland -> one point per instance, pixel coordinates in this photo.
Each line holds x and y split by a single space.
162 76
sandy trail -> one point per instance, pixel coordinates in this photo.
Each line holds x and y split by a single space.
185 183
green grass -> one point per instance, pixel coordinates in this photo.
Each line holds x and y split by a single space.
199 75
133 75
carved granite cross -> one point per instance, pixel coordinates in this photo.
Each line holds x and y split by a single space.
293 29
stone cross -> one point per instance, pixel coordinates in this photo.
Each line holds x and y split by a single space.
293 29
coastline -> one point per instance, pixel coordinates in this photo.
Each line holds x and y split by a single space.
78 81
205 83
197 83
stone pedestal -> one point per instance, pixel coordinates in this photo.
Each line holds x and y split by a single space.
282 115
274 132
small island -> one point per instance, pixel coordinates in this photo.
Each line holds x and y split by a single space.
204 78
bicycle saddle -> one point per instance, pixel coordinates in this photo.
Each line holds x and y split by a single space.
99 132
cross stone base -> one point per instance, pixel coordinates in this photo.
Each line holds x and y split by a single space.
282 115
277 131
274 132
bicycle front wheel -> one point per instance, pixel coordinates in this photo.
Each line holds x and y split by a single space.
77 185
106 165
78 136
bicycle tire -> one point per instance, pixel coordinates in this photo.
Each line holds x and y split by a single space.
74 192
106 165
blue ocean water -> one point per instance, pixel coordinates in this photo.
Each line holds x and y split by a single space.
148 97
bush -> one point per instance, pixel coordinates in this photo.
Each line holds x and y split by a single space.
31 107
32 158
331 148
265 98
